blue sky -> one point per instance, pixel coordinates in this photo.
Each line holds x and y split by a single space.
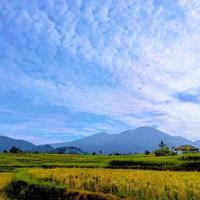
72 68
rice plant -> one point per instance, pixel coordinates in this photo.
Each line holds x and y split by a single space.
135 184
4 180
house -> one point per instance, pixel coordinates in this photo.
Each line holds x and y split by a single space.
186 149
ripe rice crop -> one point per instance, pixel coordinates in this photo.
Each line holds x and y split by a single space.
135 184
4 180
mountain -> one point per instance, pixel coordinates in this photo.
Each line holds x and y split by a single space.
90 143
43 149
69 150
6 143
197 143
130 141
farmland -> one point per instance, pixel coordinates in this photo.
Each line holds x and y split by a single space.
99 182
4 180
135 184
59 176
189 162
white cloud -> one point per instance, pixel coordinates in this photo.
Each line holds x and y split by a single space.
150 51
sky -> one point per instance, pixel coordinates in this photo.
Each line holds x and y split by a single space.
73 68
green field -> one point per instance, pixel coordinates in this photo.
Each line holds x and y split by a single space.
189 162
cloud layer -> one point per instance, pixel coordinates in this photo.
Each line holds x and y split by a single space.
72 68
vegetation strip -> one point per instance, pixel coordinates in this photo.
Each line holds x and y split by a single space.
186 162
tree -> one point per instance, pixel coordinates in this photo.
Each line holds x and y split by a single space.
117 154
162 144
146 152
187 149
163 150
5 151
15 150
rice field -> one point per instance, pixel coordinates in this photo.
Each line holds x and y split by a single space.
102 173
134 184
11 162
4 180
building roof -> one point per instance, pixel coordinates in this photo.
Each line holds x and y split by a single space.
187 147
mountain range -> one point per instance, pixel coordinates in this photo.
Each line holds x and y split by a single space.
129 141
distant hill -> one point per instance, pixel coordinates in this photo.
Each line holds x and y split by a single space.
6 143
197 143
130 141
69 150
43 149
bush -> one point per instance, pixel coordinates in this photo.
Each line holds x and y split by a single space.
159 152
146 152
21 190
191 166
135 164
15 150
189 157
163 150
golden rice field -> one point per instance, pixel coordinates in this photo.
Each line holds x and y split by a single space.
135 184
4 179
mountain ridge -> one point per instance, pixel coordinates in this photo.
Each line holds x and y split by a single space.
6 143
128 141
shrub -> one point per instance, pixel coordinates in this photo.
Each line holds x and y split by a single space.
135 164
15 150
163 150
189 157
21 190
146 152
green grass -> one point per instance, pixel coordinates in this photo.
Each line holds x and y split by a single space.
9 162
